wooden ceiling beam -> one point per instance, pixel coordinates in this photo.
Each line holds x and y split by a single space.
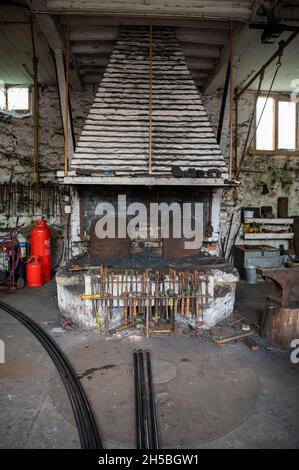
216 9
112 20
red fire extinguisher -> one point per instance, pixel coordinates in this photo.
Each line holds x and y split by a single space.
34 276
40 239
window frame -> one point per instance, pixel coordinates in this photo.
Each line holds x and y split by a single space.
279 152
18 110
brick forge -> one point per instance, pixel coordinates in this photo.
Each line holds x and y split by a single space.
111 158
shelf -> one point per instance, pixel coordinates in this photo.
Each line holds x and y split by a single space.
268 236
274 221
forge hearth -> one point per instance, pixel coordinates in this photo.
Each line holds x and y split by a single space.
185 166
139 291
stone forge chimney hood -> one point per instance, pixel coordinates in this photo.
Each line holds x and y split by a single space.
114 144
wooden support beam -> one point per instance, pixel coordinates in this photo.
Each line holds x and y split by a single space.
63 98
216 80
214 37
187 9
52 36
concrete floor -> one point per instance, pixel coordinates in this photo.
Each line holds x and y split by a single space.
208 396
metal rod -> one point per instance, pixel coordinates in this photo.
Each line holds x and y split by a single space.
150 92
139 438
144 407
147 314
155 444
231 105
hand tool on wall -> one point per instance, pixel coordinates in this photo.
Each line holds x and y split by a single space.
157 297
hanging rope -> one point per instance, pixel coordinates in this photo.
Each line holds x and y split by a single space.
247 145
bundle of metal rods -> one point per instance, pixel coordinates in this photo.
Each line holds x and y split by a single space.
147 436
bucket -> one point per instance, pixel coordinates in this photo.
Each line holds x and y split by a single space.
250 274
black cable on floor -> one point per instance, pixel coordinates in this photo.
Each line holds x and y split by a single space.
85 421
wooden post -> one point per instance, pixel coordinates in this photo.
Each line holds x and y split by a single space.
61 82
150 114
66 116
236 133
231 105
36 176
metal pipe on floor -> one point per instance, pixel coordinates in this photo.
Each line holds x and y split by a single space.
154 424
144 404
139 437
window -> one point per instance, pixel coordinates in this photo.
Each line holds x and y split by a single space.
276 124
14 98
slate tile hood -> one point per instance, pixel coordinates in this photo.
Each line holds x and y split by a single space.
115 138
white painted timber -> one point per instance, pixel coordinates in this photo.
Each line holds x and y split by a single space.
187 9
268 236
274 221
73 178
58 55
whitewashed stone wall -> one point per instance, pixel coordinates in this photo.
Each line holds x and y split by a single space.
16 136
17 149
16 152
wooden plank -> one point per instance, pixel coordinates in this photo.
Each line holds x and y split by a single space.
230 338
49 30
251 344
62 96
273 221
143 180
268 236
